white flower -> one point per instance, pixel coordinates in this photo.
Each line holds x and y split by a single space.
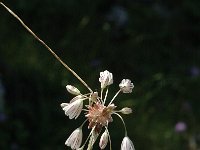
127 144
75 139
126 110
106 78
74 109
103 140
73 90
126 86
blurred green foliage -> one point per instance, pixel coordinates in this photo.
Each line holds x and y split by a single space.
155 43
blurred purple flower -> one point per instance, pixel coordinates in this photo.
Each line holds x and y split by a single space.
180 127
194 71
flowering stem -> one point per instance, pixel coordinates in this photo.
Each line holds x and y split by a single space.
123 122
114 97
48 48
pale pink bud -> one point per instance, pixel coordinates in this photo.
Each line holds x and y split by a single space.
73 90
106 78
126 86
75 139
126 110
103 140
127 144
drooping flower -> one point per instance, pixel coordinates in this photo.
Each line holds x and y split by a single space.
103 140
106 78
126 86
73 90
127 144
126 110
75 139
73 109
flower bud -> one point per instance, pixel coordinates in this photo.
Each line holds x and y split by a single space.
126 110
106 78
73 90
126 86
103 140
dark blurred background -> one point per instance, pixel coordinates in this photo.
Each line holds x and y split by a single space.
155 43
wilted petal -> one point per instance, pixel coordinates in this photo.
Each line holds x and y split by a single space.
75 139
126 86
127 144
106 78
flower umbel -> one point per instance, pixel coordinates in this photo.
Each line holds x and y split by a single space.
98 113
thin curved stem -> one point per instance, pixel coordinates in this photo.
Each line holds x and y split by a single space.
123 122
114 97
48 48
88 137
109 138
102 94
105 96
83 123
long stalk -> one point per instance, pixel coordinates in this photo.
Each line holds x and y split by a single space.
48 48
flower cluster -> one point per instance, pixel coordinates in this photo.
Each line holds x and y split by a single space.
97 113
